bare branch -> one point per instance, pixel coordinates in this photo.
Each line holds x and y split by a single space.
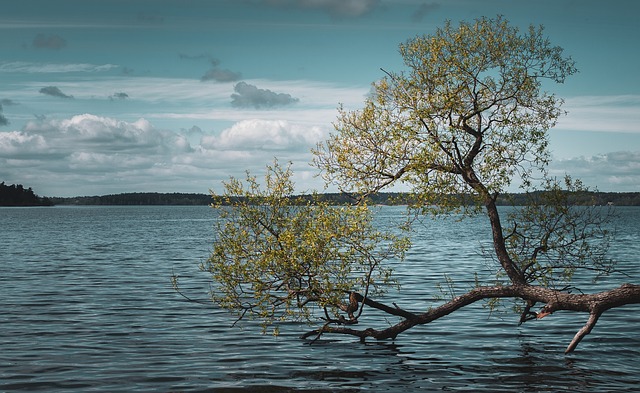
586 329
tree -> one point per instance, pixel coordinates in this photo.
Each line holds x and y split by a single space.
468 116
278 257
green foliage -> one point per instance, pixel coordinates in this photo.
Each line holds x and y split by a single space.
467 116
277 257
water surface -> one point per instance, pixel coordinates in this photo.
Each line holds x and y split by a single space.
87 305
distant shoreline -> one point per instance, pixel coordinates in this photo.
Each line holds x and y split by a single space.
194 199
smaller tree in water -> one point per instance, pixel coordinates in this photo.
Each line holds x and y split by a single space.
279 257
467 117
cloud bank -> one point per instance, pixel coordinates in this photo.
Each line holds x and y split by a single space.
619 171
89 154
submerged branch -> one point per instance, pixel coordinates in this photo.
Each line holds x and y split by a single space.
593 319
554 300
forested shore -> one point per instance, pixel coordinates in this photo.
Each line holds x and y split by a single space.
17 195
153 198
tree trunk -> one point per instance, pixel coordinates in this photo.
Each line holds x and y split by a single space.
499 245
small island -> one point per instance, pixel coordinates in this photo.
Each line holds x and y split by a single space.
17 195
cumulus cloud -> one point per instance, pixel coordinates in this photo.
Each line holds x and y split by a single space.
88 154
259 134
54 92
19 144
91 135
103 133
250 96
51 41
335 8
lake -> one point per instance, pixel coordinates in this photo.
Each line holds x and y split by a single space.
87 306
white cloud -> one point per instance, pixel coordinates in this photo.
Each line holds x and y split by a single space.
145 146
94 132
88 154
101 162
264 135
20 144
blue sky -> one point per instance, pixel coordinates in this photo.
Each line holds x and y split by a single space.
101 97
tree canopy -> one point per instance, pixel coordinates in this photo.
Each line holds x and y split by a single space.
468 116
277 257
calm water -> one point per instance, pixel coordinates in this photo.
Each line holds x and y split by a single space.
87 305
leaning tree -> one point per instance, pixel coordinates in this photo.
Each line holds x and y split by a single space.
468 117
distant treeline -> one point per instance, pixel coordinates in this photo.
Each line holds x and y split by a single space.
137 198
580 198
152 198
17 195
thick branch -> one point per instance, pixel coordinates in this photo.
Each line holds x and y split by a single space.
555 300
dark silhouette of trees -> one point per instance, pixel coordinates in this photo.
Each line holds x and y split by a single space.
138 198
17 195
587 198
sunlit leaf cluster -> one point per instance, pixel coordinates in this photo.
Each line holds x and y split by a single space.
278 257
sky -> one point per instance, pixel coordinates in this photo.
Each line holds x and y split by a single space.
105 97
